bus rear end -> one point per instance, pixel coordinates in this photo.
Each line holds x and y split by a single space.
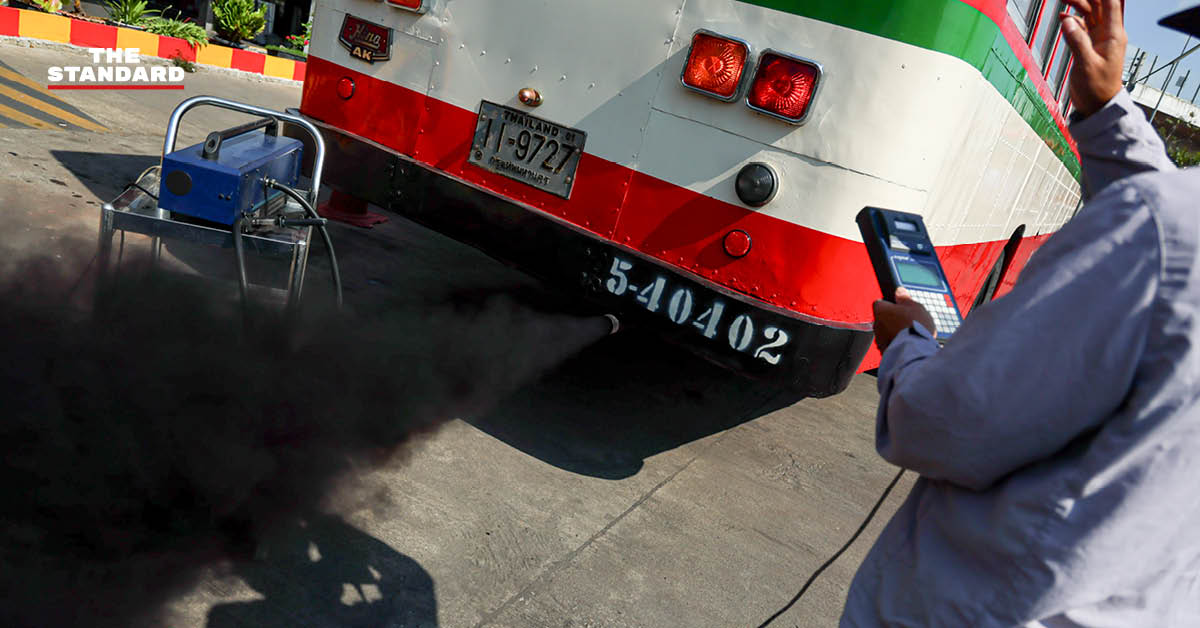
601 147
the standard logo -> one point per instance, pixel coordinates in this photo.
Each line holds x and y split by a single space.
115 68
366 40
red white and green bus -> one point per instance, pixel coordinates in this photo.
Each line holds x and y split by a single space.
697 164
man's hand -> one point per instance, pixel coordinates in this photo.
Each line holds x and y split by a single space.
1097 39
893 318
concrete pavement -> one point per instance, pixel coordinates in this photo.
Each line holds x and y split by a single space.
633 486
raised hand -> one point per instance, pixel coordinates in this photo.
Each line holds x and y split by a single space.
1097 38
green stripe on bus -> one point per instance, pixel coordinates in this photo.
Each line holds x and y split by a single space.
952 27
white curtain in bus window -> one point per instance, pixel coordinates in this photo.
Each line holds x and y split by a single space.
1047 33
1022 12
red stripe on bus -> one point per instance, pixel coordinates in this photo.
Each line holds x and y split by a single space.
997 11
790 266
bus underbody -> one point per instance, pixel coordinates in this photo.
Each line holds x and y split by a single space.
806 355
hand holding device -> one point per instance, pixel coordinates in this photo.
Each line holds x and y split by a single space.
909 274
893 318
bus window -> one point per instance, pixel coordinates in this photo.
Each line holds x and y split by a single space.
1058 71
1023 12
1047 32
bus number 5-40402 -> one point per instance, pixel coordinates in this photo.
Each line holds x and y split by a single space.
681 304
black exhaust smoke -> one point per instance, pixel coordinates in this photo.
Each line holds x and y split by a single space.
157 435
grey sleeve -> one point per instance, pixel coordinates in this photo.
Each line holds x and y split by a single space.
1029 372
1117 142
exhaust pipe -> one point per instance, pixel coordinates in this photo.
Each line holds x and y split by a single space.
616 324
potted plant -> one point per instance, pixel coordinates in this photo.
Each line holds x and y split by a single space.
296 45
129 13
48 6
186 30
237 20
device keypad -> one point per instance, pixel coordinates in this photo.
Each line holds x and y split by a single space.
939 305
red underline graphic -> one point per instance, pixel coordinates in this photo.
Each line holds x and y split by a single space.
114 86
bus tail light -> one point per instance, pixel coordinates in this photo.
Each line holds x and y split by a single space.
716 65
409 5
784 86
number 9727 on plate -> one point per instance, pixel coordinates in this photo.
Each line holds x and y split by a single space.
702 311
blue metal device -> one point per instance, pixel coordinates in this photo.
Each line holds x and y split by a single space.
222 177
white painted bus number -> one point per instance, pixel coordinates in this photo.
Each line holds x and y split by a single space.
618 283
708 321
651 295
779 338
741 332
680 307
683 302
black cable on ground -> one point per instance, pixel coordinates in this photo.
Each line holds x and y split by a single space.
837 554
312 213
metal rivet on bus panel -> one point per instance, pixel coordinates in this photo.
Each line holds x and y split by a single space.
508 60
591 85
482 53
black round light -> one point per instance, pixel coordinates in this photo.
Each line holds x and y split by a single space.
756 184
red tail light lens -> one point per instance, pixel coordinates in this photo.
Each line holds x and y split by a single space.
784 86
409 5
715 65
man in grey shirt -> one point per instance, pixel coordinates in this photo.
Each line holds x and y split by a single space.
1057 434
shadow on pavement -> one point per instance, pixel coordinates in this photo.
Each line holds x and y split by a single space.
324 572
105 174
623 400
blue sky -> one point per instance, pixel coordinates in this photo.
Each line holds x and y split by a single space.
1141 21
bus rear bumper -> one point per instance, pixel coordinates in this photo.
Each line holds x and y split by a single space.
808 355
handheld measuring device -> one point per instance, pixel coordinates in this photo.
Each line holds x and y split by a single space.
903 255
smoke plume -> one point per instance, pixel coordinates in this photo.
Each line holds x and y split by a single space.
157 433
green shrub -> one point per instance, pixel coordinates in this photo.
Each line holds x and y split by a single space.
1183 157
186 30
132 12
301 39
239 19
291 51
180 62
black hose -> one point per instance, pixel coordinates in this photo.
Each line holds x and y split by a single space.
240 249
835 556
312 213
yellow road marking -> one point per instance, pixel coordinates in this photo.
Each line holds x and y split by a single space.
21 78
24 118
45 107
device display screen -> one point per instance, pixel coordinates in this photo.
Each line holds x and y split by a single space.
902 225
917 275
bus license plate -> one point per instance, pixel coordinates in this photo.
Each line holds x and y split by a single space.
528 149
